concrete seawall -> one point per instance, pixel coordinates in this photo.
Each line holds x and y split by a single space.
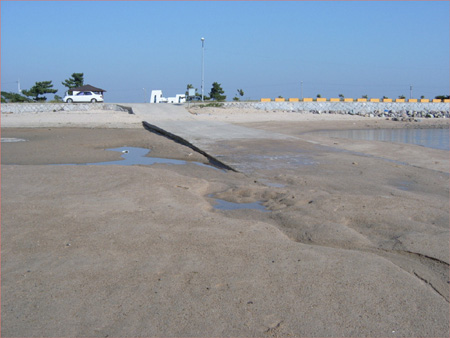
369 109
380 109
55 107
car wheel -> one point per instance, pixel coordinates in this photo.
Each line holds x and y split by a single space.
69 100
93 100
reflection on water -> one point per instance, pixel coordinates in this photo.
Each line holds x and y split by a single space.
225 205
430 138
136 156
12 139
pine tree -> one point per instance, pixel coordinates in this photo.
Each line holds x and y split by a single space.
40 88
77 80
14 97
216 92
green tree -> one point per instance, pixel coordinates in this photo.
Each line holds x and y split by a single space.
77 80
402 97
216 92
341 96
240 92
365 96
57 99
319 96
40 88
14 97
442 97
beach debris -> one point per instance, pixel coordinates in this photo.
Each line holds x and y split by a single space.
272 330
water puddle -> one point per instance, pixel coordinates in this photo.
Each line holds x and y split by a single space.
227 206
272 184
137 156
12 139
249 162
403 185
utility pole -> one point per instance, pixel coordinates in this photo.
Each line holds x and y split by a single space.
203 67
301 88
18 87
410 91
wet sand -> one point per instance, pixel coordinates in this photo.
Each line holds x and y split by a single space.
355 241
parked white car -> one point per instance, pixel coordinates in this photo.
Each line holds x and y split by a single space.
83 97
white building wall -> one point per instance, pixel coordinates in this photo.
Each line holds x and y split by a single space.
156 96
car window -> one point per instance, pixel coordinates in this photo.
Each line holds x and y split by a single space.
87 93
80 93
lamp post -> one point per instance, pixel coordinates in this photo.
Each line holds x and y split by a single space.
203 66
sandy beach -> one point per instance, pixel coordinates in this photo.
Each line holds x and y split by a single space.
351 238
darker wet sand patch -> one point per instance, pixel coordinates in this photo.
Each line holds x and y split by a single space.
85 145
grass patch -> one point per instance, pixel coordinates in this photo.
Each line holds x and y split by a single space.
211 104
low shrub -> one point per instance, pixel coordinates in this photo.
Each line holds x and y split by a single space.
211 104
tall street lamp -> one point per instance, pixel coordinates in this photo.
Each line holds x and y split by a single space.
203 66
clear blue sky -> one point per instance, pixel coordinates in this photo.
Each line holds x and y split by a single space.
267 48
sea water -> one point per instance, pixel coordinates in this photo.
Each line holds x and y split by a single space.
430 138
